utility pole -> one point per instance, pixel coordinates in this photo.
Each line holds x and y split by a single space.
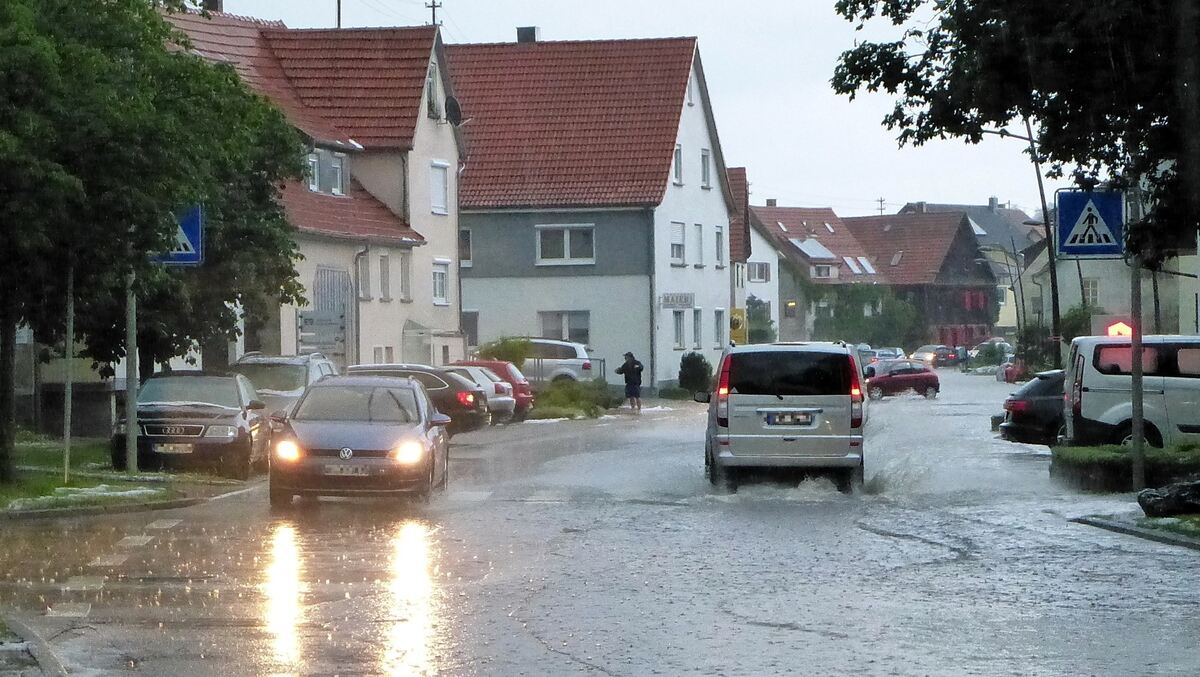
881 202
131 376
339 13
1055 324
68 377
433 6
1137 396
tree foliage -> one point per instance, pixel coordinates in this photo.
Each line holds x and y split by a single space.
1110 85
509 349
758 317
892 321
695 372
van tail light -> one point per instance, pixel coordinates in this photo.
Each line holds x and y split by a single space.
723 393
466 399
856 395
499 388
1016 406
587 366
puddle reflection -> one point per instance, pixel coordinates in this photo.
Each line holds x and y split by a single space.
283 589
411 602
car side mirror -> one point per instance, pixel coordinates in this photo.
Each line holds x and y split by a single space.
870 372
256 405
439 419
703 398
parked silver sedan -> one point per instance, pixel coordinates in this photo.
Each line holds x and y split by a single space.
500 400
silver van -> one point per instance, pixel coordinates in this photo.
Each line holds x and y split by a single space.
1097 403
786 405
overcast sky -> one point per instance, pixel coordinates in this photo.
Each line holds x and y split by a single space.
768 65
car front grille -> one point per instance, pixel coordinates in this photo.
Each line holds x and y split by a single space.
358 453
168 430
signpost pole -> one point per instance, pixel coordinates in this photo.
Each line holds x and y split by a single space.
1138 452
68 380
131 376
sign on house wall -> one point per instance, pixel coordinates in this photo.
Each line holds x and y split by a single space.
678 301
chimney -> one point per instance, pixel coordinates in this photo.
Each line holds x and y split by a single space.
921 208
993 204
214 5
529 34
771 202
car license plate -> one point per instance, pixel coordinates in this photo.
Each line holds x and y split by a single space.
173 448
347 470
790 418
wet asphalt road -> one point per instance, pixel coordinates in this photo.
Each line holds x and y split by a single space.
598 547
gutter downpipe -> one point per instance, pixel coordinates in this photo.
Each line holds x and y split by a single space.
358 302
653 306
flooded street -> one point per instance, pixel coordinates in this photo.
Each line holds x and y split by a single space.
599 547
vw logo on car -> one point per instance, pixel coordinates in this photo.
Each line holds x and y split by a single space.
346 454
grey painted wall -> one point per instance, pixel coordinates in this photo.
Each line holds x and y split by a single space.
504 244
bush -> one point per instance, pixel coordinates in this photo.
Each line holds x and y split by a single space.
509 349
588 397
1110 468
988 355
695 372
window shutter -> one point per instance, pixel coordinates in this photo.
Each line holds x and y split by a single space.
676 233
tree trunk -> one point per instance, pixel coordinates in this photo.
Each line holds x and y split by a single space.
8 386
1157 303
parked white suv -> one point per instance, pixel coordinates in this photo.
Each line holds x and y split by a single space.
554 360
786 405
1098 407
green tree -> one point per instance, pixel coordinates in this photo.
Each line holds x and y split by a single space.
866 313
509 349
695 372
758 317
1110 85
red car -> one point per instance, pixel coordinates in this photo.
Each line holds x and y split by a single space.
893 378
508 372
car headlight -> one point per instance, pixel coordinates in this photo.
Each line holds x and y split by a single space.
287 450
410 452
226 431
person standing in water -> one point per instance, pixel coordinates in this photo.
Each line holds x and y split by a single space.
631 369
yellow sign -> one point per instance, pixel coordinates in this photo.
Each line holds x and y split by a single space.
739 332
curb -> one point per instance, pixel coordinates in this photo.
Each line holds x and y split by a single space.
125 477
1147 534
48 662
102 509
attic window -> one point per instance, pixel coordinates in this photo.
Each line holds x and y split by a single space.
431 99
896 258
822 271
976 228
853 265
828 227
781 226
314 172
337 175
866 264
887 227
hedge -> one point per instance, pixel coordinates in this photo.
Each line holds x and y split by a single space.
1110 468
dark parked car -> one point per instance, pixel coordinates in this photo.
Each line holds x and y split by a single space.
193 418
508 371
463 401
361 436
899 376
281 379
1034 414
936 355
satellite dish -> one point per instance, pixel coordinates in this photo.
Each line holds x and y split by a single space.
453 111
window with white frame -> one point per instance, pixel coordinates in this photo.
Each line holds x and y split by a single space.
1002 295
759 272
691 91
678 246
719 327
678 165
699 248
1091 292
364 277
822 271
433 106
720 253
314 172
697 327
706 168
679 328
464 247
406 276
566 325
385 277
337 175
441 283
566 245
439 187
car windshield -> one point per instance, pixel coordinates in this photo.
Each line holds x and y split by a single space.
219 391
277 377
491 375
366 404
463 372
785 373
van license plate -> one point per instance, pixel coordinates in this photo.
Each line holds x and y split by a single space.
789 419
347 470
173 448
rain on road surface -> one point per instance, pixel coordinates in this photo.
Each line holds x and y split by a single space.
598 547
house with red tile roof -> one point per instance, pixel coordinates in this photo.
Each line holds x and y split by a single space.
595 198
739 235
376 218
934 262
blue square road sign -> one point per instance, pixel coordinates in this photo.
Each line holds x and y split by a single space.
1091 225
187 247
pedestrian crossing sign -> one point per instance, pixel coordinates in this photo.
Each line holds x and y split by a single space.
1091 224
187 246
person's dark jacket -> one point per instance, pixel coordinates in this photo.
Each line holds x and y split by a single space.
632 370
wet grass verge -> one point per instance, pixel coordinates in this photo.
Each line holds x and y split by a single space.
42 491
1184 525
87 452
1109 469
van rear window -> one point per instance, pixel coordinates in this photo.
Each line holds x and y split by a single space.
1118 360
789 373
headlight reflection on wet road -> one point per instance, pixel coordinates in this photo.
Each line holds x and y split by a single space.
283 589
410 603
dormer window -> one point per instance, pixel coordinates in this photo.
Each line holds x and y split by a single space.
314 172
822 271
431 98
337 184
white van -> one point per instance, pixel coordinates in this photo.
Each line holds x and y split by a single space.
1097 404
786 405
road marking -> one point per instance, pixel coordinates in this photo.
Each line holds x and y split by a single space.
237 492
114 560
469 496
163 524
84 583
69 610
134 541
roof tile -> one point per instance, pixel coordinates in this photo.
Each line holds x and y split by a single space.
922 240
785 224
